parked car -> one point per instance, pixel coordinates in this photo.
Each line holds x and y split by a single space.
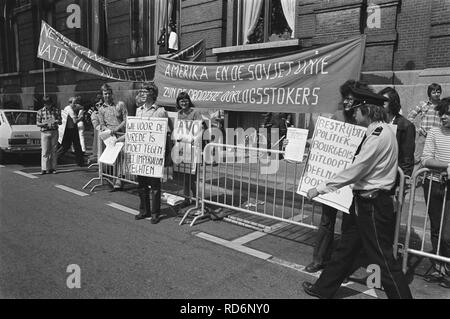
19 133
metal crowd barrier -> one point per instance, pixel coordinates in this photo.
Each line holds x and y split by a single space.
254 181
399 200
175 178
239 179
418 178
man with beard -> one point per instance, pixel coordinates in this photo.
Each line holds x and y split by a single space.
353 93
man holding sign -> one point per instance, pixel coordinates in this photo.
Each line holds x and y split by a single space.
371 222
150 200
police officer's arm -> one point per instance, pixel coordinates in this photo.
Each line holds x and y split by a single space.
429 153
361 167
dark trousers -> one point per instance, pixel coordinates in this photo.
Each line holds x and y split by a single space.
435 214
325 235
369 226
71 136
150 200
189 182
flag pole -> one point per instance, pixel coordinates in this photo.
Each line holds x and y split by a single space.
43 76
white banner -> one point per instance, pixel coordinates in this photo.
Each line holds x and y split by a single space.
333 147
145 146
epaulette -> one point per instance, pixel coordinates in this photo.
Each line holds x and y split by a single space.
377 131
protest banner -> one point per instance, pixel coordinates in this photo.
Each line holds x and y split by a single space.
333 147
305 82
187 151
56 48
145 145
295 149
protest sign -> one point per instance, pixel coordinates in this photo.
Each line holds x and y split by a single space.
188 147
145 145
306 81
56 48
295 149
111 151
333 147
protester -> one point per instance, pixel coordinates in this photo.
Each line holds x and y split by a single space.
48 118
424 116
406 132
112 117
70 135
436 156
173 39
352 93
79 110
93 113
150 200
371 222
187 112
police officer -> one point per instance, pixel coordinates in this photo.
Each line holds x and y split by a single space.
371 223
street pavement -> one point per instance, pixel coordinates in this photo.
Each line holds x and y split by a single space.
49 222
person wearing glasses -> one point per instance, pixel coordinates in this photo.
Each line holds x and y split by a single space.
150 199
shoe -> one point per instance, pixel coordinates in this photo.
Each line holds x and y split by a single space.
313 267
309 289
155 219
43 172
445 283
433 277
116 189
51 171
140 216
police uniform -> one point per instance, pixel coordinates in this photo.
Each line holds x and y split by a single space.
371 222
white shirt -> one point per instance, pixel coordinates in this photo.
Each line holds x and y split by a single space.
376 165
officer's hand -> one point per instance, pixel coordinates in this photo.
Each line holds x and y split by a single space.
312 193
285 142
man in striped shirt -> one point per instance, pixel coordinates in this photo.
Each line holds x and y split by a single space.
436 156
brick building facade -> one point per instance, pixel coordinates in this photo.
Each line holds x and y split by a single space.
407 41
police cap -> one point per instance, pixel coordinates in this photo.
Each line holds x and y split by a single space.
365 96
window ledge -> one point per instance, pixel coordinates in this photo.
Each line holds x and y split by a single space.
257 46
40 71
5 75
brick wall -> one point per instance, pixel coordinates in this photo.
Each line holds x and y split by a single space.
203 19
439 44
413 35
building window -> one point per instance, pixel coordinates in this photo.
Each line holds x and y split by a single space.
148 19
261 21
9 40
94 25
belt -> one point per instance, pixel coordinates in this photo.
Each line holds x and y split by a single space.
49 130
370 194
